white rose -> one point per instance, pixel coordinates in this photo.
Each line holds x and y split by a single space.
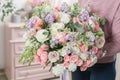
64 18
72 67
58 69
42 35
56 26
53 56
84 56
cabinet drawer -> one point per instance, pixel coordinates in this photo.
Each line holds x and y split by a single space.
19 47
17 33
18 64
33 73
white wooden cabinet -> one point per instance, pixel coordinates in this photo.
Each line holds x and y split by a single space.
14 45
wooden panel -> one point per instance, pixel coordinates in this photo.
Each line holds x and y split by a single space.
17 33
33 72
19 47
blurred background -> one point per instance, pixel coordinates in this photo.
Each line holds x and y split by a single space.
11 42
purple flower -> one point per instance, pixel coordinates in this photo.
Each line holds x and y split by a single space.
49 18
64 8
30 23
84 15
92 38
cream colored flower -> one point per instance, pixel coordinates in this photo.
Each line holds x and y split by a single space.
42 35
64 17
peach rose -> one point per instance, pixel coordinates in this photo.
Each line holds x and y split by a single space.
66 64
37 58
84 48
79 62
39 23
66 58
73 58
62 40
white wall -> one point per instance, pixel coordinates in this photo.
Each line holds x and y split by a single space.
1 46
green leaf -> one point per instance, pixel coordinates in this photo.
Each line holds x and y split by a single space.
79 27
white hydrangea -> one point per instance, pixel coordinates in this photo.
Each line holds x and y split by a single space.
58 69
64 17
42 35
56 26
72 67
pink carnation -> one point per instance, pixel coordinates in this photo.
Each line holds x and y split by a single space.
39 52
44 56
73 58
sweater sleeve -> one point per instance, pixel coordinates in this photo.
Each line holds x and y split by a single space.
113 47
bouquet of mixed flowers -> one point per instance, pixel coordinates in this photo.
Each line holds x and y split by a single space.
63 36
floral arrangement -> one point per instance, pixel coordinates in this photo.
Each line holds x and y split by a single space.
63 36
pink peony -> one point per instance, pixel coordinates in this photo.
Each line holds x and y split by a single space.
66 58
37 58
66 64
79 62
84 48
73 58
44 47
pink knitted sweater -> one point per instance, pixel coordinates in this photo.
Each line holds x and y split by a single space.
109 9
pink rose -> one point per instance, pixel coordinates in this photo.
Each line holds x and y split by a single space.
44 47
66 58
73 58
39 52
44 56
83 68
79 62
37 58
84 48
66 64
95 49
39 23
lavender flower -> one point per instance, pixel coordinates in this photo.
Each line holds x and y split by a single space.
30 23
64 8
92 38
49 18
84 15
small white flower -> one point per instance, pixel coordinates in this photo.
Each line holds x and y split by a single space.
84 56
72 67
53 56
58 69
89 34
64 17
91 23
42 35
26 36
